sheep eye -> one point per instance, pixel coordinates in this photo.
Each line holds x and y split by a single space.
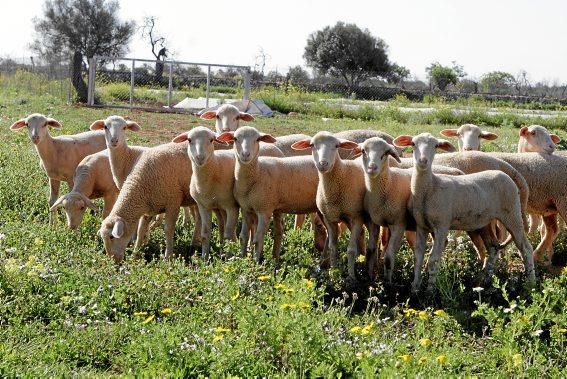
218 117
235 139
82 208
532 133
212 139
111 237
105 127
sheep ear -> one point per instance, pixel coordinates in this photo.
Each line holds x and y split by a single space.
403 141
357 150
133 126
523 131
219 141
89 203
181 138
245 116
394 154
208 115
489 136
266 138
118 229
449 132
57 204
97 125
445 145
53 123
302 144
555 138
18 125
346 144
226 137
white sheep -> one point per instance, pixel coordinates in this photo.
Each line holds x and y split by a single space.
266 186
159 183
469 136
59 156
440 203
92 180
227 117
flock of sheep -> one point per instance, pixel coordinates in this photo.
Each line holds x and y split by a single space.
356 179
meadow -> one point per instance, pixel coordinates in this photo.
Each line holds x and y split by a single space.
67 310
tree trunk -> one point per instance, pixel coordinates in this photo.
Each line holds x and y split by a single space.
159 73
77 78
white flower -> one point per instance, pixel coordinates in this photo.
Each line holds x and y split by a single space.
537 333
478 289
11 250
2 236
82 310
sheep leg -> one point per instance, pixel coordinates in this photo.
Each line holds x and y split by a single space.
278 237
535 221
244 234
261 229
230 223
54 186
410 237
439 241
206 221
353 247
187 214
545 247
299 220
108 204
319 232
331 249
515 227
221 217
419 253
396 235
196 237
142 235
372 249
171 216
479 245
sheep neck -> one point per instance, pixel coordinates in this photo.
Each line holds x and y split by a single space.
46 150
248 171
121 158
380 183
83 180
329 179
205 173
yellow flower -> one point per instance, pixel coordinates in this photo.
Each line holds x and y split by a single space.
279 286
409 312
442 359
361 259
562 330
167 311
405 358
228 268
220 330
356 329
235 296
264 278
367 329
308 283
525 319
564 271
285 306
148 320
422 360
440 313
363 354
517 359
38 241
425 342
423 315
303 305
218 337
11 265
140 313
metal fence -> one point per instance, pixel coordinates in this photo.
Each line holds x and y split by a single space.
164 85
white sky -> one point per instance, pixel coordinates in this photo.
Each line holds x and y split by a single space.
481 35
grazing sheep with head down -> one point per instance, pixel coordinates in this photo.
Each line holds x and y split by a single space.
59 156
227 118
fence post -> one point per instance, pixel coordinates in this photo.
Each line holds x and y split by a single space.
132 83
170 88
208 86
246 84
91 87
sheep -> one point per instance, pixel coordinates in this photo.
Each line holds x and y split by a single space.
469 136
267 186
227 118
92 180
334 202
59 156
440 203
359 136
284 144
159 183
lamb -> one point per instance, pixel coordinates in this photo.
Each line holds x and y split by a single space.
266 186
159 183
333 201
469 136
359 136
441 203
227 118
92 180
59 156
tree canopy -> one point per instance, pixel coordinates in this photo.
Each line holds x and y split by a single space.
497 82
441 76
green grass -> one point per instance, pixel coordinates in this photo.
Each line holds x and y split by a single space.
67 310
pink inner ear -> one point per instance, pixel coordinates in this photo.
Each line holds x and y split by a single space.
133 126
523 131
180 138
226 137
97 125
267 138
403 141
449 132
53 123
555 138
18 124
246 117
302 144
209 115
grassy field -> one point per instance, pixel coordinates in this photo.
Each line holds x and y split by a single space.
67 310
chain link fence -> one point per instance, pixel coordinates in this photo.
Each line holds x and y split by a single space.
164 85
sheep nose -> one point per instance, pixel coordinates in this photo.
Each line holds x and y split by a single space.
468 148
372 166
245 154
200 157
422 161
225 129
35 139
323 163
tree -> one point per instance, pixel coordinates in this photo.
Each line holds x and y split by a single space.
157 42
346 51
441 76
297 74
522 82
397 75
497 82
81 28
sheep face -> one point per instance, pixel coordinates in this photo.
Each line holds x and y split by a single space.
115 235
247 143
37 125
537 139
424 146
75 205
375 153
200 147
469 136
227 118
115 130
324 147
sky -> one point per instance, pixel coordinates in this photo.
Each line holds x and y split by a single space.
480 35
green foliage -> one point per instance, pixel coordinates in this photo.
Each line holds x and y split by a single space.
442 76
497 82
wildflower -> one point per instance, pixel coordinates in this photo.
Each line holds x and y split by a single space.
38 241
425 342
308 283
440 313
563 330
423 315
228 269
525 319
409 312
11 250
11 265
363 354
2 236
564 271
537 333
264 278
303 305
166 311
148 320
405 358
517 359
280 286
218 337
442 359
235 296
285 306
367 329
221 330
356 329
422 360
140 313
361 259
478 289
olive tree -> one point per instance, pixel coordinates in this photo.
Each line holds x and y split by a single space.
441 76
